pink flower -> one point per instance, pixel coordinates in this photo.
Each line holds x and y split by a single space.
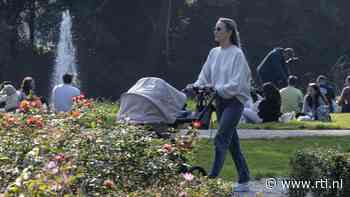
168 148
52 167
183 194
197 124
108 183
188 176
60 157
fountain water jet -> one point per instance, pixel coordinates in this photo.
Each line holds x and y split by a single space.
65 57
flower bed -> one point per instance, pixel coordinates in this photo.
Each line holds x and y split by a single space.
85 153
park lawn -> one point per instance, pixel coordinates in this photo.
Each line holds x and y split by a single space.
339 121
266 158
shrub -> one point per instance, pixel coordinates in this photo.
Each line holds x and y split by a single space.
330 165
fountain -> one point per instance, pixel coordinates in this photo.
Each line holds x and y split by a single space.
65 57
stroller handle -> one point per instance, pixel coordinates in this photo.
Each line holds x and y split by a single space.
199 90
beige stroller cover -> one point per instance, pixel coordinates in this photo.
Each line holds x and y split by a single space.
151 101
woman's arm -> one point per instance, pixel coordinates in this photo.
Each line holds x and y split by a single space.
204 75
342 96
306 108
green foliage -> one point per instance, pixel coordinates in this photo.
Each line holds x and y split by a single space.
317 164
84 153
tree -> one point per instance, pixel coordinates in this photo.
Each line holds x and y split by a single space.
159 49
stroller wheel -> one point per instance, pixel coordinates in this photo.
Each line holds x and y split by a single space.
198 171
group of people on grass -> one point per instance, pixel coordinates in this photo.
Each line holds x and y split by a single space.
271 103
61 97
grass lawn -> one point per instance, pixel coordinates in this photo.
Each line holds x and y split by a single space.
266 158
339 121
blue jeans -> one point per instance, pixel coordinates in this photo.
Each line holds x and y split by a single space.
229 112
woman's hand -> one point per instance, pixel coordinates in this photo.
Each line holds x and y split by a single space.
190 86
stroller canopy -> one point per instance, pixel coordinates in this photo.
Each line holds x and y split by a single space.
151 100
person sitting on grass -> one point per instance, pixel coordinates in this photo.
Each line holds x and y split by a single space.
291 97
63 94
344 100
2 85
328 91
315 106
27 88
11 97
27 91
270 106
250 111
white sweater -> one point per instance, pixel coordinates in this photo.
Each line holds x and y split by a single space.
227 70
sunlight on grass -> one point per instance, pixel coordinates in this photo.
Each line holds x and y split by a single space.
266 158
339 121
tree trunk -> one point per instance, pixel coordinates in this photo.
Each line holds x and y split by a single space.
31 22
156 55
167 38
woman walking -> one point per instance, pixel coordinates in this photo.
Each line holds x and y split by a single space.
227 70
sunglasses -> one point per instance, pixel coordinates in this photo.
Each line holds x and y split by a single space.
217 29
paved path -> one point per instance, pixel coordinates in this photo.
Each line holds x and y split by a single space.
269 134
259 189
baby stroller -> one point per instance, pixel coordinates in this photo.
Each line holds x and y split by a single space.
201 117
152 101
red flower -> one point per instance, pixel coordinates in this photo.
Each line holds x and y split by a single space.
39 124
30 120
108 183
36 120
87 103
197 124
81 97
168 148
36 103
60 157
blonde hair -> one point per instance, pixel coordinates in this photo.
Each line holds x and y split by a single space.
231 25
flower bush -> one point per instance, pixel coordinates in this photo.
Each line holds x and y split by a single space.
84 152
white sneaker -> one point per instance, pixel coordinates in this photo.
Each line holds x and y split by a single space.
241 187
